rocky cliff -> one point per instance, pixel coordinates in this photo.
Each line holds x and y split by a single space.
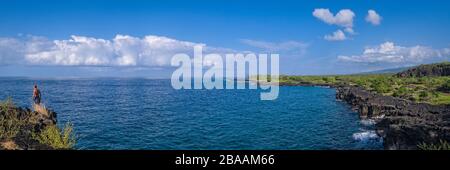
439 69
402 124
17 126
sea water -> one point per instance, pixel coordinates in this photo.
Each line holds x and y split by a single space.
138 113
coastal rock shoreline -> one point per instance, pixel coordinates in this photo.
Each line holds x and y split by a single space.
402 124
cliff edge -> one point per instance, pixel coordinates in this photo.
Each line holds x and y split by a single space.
438 69
20 126
403 124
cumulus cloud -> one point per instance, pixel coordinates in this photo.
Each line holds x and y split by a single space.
373 17
389 53
10 50
344 18
293 47
122 50
336 36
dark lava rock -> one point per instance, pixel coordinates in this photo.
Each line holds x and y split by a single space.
402 124
439 69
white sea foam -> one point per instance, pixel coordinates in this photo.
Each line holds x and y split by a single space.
367 122
366 135
379 117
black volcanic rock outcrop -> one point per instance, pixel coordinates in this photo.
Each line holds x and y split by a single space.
439 69
402 124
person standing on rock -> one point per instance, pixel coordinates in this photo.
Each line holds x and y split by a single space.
36 95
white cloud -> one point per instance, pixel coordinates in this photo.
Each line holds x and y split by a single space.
349 30
10 50
293 47
389 53
122 50
337 36
373 17
343 18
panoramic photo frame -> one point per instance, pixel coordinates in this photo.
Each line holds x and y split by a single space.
224 84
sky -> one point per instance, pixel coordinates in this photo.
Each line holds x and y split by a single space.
90 38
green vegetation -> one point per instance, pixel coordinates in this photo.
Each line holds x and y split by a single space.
14 121
446 87
308 79
442 145
6 104
10 125
57 138
426 70
433 90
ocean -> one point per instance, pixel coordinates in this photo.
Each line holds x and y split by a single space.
138 113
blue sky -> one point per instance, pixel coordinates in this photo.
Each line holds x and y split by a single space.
406 33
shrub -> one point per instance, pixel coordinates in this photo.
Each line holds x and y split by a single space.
10 124
380 86
423 95
57 138
441 145
413 98
361 82
6 104
329 80
446 86
402 91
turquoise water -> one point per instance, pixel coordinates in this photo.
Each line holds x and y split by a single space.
150 114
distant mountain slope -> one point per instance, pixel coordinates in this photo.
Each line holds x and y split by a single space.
384 71
438 69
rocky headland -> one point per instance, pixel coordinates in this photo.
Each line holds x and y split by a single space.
411 109
20 126
401 123
438 69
